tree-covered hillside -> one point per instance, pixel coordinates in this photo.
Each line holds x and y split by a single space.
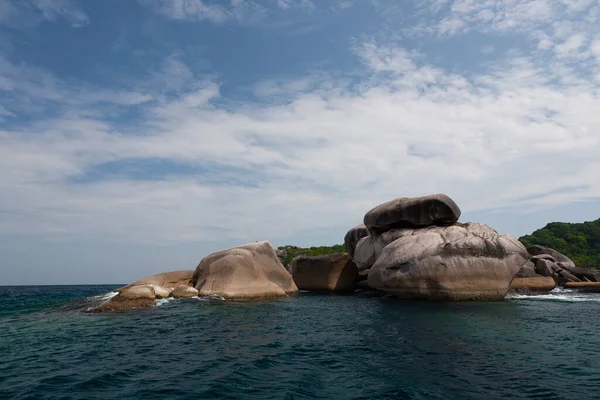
292 251
580 242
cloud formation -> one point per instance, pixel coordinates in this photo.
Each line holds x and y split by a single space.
306 154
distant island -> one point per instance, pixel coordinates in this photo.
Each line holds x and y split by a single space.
580 241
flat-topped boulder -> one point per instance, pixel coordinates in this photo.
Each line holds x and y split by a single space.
459 262
133 297
533 284
353 236
250 271
407 212
332 272
182 292
584 286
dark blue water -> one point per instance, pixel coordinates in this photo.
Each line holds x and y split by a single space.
308 346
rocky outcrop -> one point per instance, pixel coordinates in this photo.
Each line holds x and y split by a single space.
333 272
250 271
437 209
167 279
182 292
128 298
353 236
592 287
537 251
459 262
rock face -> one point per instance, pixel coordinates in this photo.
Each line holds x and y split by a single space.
555 255
459 262
536 283
250 271
353 236
333 272
137 296
437 209
181 292
166 279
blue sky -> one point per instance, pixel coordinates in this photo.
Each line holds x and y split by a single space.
138 136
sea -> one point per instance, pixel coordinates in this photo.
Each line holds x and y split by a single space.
309 346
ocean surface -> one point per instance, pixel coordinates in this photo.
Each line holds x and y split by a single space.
308 346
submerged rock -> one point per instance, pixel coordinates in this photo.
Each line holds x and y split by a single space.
437 209
133 297
459 262
332 272
250 271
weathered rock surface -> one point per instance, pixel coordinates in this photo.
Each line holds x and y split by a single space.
353 236
181 292
166 279
332 272
545 267
437 209
558 257
584 286
370 247
459 262
250 271
133 297
534 283
527 271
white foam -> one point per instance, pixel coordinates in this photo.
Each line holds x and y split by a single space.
160 302
559 294
106 296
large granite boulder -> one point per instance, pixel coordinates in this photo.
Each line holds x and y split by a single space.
332 272
459 262
353 236
132 297
250 271
556 256
370 247
437 209
527 270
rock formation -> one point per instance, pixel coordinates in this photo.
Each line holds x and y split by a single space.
181 292
250 271
417 249
353 236
131 297
332 272
550 263
437 209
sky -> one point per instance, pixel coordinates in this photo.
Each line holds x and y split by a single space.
136 137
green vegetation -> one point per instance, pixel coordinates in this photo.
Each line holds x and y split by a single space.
580 242
293 251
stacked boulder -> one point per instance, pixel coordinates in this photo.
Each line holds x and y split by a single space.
556 269
416 248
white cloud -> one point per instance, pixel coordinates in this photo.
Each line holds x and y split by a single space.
29 12
314 154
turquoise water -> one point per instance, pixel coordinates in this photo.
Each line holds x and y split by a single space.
308 346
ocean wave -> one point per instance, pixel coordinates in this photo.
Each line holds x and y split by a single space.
559 294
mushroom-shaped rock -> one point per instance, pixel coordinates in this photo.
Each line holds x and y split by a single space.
332 272
250 271
558 257
353 236
137 296
459 262
181 292
405 212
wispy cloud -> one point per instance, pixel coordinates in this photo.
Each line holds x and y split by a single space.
29 12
